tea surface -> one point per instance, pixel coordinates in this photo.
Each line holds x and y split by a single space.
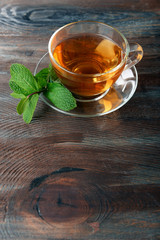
88 54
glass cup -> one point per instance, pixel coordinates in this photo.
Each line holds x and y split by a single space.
92 82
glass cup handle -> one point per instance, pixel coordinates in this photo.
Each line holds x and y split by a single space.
136 54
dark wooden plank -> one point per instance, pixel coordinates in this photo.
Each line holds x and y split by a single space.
64 177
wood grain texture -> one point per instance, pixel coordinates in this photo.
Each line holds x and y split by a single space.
63 177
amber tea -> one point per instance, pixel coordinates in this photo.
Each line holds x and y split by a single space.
88 54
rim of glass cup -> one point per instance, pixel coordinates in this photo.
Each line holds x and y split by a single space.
82 74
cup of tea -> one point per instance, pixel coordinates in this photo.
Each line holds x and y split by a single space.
89 57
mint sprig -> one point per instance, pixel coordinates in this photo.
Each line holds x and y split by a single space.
28 88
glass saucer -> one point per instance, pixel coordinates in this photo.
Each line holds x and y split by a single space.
118 95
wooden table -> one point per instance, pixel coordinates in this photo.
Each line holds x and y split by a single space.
63 177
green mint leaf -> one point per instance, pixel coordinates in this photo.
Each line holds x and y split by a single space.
27 87
14 87
42 78
22 105
17 95
52 74
23 78
30 108
60 96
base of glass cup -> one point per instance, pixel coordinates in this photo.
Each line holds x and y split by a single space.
90 99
